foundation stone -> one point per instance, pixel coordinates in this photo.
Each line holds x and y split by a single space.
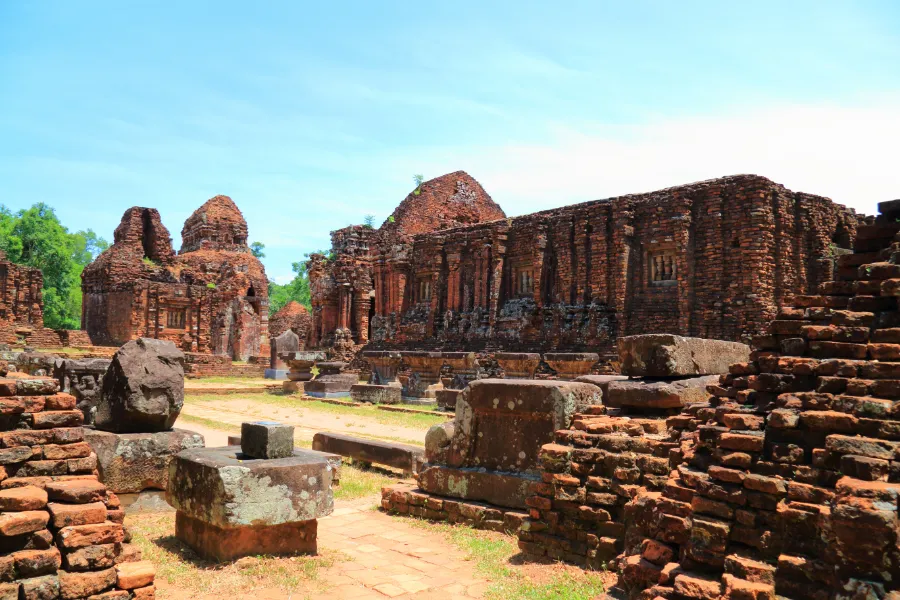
229 505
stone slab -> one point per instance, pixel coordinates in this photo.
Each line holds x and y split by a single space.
667 355
225 544
601 381
400 456
376 394
501 489
223 487
670 393
267 439
132 462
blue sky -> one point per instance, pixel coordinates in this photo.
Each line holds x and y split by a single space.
312 115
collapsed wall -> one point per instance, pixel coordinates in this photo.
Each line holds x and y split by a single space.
61 531
785 482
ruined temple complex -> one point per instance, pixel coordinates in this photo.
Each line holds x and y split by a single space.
211 297
714 259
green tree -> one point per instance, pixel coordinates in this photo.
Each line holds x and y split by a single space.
297 289
369 221
418 179
257 250
36 238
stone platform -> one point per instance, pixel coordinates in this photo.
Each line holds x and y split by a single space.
132 462
231 505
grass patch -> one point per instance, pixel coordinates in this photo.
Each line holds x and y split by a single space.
180 566
422 420
358 482
491 552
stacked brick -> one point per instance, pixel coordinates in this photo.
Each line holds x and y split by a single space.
789 477
61 532
589 477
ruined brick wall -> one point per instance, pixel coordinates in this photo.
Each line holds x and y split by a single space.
713 259
212 297
20 294
61 532
784 484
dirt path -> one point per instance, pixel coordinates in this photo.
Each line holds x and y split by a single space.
307 422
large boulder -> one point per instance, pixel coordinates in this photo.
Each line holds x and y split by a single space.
143 390
667 355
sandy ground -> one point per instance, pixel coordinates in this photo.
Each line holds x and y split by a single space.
306 422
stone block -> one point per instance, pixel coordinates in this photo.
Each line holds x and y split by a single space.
286 343
400 456
267 439
501 424
132 462
672 393
219 487
667 355
376 394
509 490
446 398
143 390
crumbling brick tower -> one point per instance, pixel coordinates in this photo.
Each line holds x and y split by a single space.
212 297
789 477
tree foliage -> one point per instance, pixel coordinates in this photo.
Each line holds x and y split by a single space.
257 249
297 289
35 237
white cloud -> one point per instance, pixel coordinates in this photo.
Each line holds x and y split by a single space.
846 153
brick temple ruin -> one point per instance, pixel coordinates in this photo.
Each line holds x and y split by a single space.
780 481
209 298
22 309
714 259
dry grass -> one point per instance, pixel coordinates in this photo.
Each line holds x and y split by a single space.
179 567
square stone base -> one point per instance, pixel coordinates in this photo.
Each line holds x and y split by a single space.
276 374
405 499
220 544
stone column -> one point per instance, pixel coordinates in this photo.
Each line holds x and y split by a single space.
498 255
